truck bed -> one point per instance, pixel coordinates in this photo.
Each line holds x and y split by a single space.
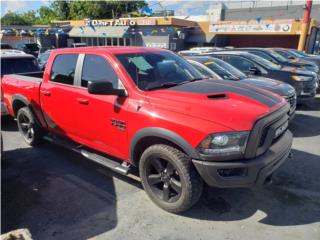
23 87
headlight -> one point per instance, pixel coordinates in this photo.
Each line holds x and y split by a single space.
301 78
224 144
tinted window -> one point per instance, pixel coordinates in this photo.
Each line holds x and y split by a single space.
224 70
18 65
97 69
263 55
202 70
150 70
239 62
63 68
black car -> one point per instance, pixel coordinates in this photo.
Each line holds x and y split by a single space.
30 48
295 55
5 46
213 67
278 59
304 82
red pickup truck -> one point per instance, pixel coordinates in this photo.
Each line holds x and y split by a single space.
149 108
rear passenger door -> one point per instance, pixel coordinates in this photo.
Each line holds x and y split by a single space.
58 96
102 119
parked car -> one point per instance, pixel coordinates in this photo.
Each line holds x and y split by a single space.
9 32
205 49
304 82
190 53
43 59
276 58
30 48
211 67
13 61
290 54
151 109
5 46
76 45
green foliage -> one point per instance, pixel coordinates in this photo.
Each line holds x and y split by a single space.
76 9
11 18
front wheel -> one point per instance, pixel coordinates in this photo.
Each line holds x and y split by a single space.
169 178
28 127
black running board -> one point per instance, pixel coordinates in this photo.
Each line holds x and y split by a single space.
122 168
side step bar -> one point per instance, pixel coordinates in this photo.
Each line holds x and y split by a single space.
122 168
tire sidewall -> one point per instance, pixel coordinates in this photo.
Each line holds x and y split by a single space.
26 111
157 153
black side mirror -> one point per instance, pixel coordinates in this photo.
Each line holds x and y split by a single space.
291 57
254 71
105 88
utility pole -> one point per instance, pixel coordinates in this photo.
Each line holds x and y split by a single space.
305 25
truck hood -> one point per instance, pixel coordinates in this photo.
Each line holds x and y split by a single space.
231 104
278 87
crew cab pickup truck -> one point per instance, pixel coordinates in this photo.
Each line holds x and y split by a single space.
149 108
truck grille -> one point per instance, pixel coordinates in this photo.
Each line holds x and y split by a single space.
267 131
292 100
309 86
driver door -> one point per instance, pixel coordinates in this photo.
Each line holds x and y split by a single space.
101 119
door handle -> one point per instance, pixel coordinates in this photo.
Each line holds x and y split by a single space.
83 101
46 93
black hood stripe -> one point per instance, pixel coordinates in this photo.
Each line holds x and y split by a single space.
217 86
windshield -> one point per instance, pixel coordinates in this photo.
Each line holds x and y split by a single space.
224 70
265 63
286 54
19 65
277 56
150 70
297 53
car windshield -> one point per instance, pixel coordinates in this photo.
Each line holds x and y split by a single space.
264 63
277 56
152 70
18 65
297 53
224 70
286 54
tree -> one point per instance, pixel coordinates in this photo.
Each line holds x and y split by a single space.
11 18
30 17
61 9
46 15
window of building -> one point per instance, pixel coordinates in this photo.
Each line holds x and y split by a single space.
97 69
173 46
109 41
114 41
121 42
127 41
63 69
101 42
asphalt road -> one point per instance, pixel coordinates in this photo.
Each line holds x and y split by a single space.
57 194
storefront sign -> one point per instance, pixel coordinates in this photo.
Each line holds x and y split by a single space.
250 28
120 22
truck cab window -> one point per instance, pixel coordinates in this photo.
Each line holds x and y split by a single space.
97 69
63 69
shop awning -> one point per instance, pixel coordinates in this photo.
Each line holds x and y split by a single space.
105 31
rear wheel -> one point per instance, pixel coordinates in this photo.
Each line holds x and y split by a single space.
169 178
28 127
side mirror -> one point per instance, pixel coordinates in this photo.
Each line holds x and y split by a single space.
105 88
291 57
254 71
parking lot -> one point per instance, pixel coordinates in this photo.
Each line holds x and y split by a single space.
57 194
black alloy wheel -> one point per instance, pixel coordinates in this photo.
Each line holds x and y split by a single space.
164 179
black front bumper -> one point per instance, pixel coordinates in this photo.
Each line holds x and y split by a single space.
248 173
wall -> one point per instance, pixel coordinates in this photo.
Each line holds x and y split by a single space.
280 12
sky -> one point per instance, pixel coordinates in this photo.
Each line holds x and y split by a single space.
181 7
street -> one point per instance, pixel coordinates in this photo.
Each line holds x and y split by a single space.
58 194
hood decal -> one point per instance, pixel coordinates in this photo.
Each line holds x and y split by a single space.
217 86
